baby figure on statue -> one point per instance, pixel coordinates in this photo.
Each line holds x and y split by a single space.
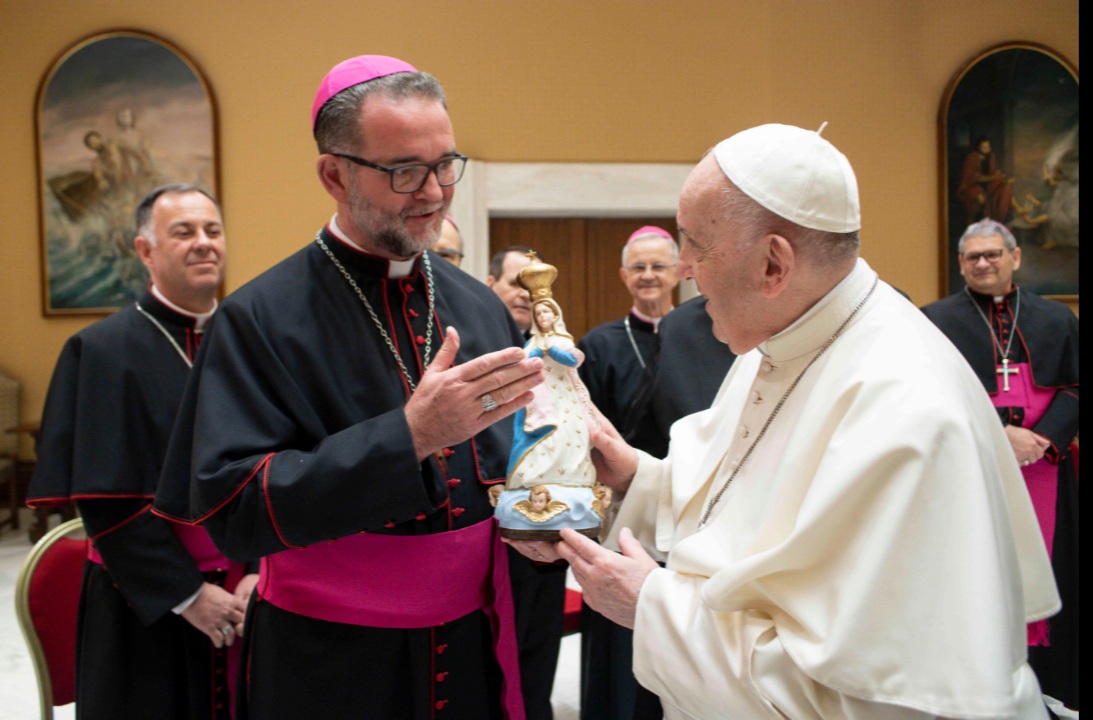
550 474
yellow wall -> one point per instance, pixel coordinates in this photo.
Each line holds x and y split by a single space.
563 80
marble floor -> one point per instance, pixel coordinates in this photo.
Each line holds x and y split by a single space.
18 687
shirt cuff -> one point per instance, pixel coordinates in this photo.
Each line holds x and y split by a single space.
185 604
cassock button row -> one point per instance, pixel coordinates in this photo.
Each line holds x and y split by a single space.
448 452
389 524
440 704
412 312
420 516
420 339
441 648
756 398
408 288
458 511
768 366
440 676
744 432
452 482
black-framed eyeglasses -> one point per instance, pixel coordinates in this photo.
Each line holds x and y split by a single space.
406 179
992 256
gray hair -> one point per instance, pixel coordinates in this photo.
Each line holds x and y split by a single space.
753 221
145 226
337 127
985 229
672 245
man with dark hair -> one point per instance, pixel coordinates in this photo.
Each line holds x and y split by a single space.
1024 349
158 609
504 265
344 427
847 533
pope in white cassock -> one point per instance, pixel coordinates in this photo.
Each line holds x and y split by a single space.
846 530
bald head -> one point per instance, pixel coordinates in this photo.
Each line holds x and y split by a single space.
450 244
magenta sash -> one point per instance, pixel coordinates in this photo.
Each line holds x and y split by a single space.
1041 477
403 581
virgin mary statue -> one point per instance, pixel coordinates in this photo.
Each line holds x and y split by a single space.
550 445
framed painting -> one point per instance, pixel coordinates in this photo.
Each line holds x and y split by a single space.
1008 129
118 114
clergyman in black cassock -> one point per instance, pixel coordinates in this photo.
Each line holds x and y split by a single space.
617 354
107 420
1024 349
687 369
329 433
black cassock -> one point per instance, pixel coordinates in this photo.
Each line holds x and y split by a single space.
688 367
612 368
105 428
297 434
1046 337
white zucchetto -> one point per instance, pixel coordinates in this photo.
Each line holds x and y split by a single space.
795 174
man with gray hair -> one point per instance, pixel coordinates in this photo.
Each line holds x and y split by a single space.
847 532
617 352
1024 350
616 355
347 420
160 605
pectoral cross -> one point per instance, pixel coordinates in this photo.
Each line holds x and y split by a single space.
1005 371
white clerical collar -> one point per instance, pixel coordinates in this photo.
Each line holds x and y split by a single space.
655 322
395 268
200 319
861 273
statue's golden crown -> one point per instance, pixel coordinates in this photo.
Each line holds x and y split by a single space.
537 277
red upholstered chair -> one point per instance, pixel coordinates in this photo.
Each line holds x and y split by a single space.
47 600
571 621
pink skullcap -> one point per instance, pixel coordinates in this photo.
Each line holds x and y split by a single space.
451 219
353 72
649 230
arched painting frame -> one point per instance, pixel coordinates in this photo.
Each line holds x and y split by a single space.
117 114
1022 98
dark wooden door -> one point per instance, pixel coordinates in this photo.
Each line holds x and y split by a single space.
587 253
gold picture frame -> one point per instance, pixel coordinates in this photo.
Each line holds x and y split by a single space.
1018 101
117 114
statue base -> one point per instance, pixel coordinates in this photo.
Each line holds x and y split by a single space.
543 511
545 535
